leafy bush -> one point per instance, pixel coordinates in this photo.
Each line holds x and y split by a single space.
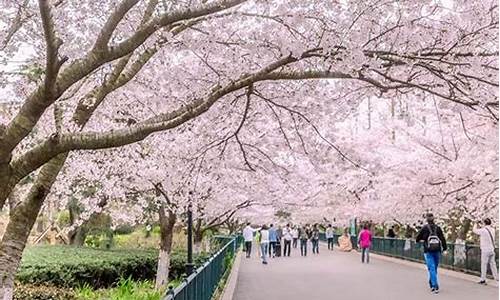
136 239
104 241
65 266
124 229
71 266
42 292
126 289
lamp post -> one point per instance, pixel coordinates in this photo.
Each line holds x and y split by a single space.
189 263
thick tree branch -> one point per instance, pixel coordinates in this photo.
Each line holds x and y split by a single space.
109 27
37 102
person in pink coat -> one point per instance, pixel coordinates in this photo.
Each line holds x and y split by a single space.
365 242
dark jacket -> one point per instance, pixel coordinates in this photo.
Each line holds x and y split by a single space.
424 233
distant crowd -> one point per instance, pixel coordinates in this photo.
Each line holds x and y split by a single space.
273 241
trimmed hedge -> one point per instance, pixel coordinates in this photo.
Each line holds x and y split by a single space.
42 292
71 267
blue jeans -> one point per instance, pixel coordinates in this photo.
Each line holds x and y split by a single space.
263 250
365 252
303 247
432 261
315 245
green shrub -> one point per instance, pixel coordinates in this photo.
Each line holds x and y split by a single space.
126 289
72 266
42 292
65 266
136 239
124 229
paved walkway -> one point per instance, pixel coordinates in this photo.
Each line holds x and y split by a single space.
337 275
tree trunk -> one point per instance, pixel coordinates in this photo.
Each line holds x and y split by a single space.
167 222
22 220
77 237
197 237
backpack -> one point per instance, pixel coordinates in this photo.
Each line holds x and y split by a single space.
433 241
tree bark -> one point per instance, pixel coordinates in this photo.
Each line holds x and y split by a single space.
167 222
21 222
197 236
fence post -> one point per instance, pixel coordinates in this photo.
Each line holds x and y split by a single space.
170 292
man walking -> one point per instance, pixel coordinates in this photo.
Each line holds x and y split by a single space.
273 238
287 239
434 243
248 237
487 245
329 236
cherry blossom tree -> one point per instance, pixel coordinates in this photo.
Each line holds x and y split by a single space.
111 73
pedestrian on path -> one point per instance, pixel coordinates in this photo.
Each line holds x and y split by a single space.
295 236
434 243
287 240
248 232
257 243
487 245
365 242
315 239
391 235
279 237
329 236
303 236
264 243
345 244
273 238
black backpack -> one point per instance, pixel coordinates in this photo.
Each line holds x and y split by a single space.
433 241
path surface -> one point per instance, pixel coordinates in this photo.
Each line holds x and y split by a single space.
337 275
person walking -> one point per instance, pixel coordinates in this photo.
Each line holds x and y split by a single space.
273 238
279 237
287 240
391 234
295 236
434 243
365 242
303 236
257 243
315 239
329 236
248 232
264 243
487 245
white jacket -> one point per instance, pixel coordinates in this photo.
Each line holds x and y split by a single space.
486 243
248 233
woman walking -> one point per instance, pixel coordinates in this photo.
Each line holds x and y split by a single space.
257 243
303 236
315 239
295 236
264 243
365 242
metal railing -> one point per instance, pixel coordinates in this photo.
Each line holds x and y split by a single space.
205 280
465 258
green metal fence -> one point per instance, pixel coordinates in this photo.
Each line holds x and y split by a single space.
204 281
464 258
